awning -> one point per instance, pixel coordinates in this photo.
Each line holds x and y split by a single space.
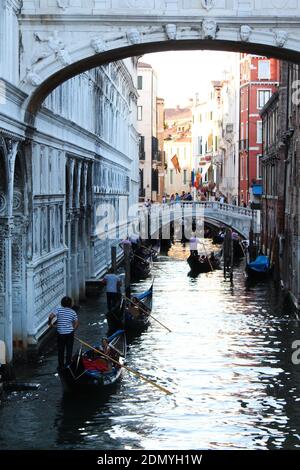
204 168
257 190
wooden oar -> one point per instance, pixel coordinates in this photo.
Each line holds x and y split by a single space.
210 265
132 371
149 314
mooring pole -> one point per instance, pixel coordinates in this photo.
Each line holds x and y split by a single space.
114 258
127 253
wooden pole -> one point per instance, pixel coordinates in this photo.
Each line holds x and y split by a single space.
135 372
127 253
148 313
114 258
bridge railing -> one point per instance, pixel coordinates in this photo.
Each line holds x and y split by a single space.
219 206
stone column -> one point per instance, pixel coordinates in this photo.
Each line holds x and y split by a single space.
69 206
83 234
6 236
6 325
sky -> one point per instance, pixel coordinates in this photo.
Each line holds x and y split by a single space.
181 74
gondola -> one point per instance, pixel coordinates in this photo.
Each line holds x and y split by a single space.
142 321
89 372
238 251
199 266
259 269
140 265
122 317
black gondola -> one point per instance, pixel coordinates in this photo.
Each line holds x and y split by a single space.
89 371
140 265
142 320
123 318
203 265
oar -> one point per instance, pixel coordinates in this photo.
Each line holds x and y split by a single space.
210 265
143 310
135 372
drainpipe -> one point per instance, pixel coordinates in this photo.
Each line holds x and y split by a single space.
248 141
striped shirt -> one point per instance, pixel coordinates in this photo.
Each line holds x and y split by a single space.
65 318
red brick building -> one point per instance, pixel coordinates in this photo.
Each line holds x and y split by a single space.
259 79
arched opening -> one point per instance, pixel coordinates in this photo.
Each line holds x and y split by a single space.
90 62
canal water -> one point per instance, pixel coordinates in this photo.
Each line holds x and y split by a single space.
227 362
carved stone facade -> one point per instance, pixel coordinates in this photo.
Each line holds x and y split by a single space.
82 153
51 46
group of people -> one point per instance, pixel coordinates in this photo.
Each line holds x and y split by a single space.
174 198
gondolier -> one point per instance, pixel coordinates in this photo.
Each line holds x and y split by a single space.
194 241
66 324
113 285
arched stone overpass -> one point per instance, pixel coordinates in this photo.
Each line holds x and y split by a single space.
240 219
60 39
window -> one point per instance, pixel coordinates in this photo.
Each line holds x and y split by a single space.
184 176
264 70
200 145
140 113
259 132
140 82
171 176
263 97
258 167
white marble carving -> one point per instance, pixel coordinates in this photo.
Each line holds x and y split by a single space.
208 4
134 36
245 32
280 38
63 4
209 28
171 31
63 57
98 44
47 45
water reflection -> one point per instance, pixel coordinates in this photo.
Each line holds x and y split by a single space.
227 361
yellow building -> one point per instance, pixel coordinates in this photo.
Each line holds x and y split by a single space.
178 142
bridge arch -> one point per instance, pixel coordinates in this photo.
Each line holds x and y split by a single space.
46 74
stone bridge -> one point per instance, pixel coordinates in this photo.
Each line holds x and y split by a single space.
240 219
62 38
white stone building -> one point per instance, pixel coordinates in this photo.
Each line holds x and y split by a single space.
206 134
55 180
229 144
147 127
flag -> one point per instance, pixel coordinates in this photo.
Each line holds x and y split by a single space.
175 162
